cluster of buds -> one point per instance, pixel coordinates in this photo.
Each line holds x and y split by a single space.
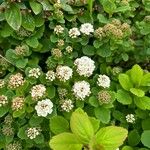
60 43
7 130
56 52
66 105
33 132
62 93
16 145
16 80
8 120
17 103
2 83
69 49
21 50
50 75
3 100
104 97
23 33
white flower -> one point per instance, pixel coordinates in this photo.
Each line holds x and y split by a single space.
44 107
130 118
67 105
3 100
38 91
33 132
17 103
34 72
50 75
2 83
87 28
63 73
74 32
85 66
58 29
103 81
81 89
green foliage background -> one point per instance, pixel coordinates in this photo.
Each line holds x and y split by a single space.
120 47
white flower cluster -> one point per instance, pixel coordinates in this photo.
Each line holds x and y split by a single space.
67 105
17 103
103 81
33 132
81 90
16 80
38 91
50 75
130 118
44 107
87 28
85 66
34 72
2 83
58 29
74 32
63 73
3 100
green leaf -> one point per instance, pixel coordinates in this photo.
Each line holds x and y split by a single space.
142 102
127 148
65 141
104 52
22 133
81 126
35 121
88 50
110 138
66 7
32 42
124 97
125 81
102 18
93 101
51 91
136 74
123 9
3 110
103 114
145 80
19 112
95 122
59 124
28 22
146 124
145 138
39 139
137 92
36 7
133 137
21 63
109 6
90 5
13 16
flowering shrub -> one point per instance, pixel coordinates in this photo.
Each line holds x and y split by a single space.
74 74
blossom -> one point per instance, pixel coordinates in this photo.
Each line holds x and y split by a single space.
16 80
130 118
50 75
67 105
58 29
103 81
33 132
14 146
17 103
44 107
3 100
34 72
74 32
87 28
63 73
38 91
69 49
2 83
85 66
81 89
104 97
56 52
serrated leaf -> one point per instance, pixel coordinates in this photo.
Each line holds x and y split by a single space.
65 141
103 114
13 16
36 7
146 80
110 138
137 92
81 126
125 81
28 22
124 97
59 124
136 74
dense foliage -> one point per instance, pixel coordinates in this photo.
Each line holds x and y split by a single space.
74 74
